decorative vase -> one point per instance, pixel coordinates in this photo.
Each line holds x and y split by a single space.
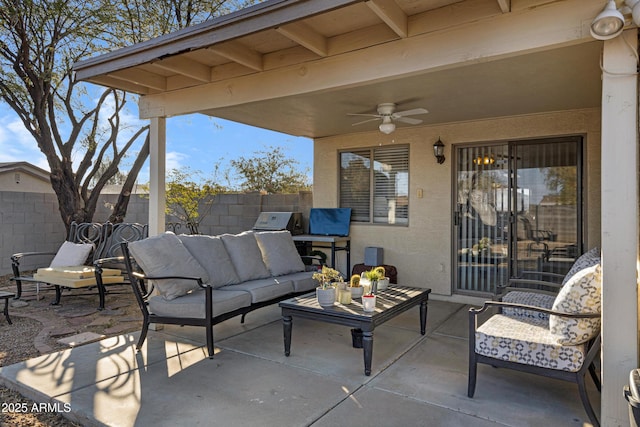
326 296
356 292
344 296
383 284
369 303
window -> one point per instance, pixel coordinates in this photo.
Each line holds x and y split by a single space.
376 191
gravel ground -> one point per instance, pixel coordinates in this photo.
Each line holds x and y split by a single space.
21 341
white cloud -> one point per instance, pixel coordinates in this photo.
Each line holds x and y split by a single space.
16 143
175 160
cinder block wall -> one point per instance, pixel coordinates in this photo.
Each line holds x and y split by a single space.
30 222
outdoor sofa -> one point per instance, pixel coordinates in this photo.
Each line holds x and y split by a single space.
203 280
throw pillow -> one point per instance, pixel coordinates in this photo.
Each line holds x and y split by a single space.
165 255
581 294
71 254
245 255
212 255
587 259
279 252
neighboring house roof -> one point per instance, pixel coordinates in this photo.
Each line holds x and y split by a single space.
25 167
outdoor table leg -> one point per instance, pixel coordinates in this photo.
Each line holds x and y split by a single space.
367 348
6 310
423 317
287 326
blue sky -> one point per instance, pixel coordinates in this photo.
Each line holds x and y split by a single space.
194 141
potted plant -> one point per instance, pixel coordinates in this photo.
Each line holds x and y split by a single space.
373 276
326 290
383 281
354 286
369 298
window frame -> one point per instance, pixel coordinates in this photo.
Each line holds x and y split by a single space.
375 190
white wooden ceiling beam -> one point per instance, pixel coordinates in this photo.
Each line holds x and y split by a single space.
305 36
391 14
186 67
239 53
505 5
557 24
142 78
121 85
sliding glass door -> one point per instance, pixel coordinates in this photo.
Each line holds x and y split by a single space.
518 207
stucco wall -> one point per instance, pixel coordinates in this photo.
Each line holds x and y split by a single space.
422 251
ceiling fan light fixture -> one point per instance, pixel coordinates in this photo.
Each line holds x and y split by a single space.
387 128
608 24
634 7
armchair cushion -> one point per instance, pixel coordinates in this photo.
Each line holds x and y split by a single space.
71 254
530 343
165 255
212 255
245 255
535 299
587 259
279 252
581 294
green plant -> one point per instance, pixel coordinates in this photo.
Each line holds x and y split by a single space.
327 276
484 243
354 282
375 274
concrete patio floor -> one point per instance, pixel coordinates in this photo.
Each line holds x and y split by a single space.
416 380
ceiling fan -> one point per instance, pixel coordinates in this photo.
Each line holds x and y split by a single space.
388 114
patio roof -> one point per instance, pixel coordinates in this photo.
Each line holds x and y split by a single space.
300 67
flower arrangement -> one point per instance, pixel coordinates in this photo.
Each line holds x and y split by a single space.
326 276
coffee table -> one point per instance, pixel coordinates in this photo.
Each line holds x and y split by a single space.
389 303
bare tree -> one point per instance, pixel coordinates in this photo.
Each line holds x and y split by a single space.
77 126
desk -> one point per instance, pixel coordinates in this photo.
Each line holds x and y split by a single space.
335 243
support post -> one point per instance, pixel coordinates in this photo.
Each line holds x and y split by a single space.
619 203
157 175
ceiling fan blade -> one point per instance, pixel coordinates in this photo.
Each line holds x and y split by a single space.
364 115
408 120
365 121
411 112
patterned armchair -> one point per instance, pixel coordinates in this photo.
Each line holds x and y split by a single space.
561 345
542 293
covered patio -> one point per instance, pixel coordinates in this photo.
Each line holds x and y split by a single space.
415 381
487 70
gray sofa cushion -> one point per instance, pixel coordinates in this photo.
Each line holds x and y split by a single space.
210 252
193 305
279 252
302 281
165 255
263 289
245 255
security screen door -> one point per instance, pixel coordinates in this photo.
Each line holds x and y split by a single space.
518 207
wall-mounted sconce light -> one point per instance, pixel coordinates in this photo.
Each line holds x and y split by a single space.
438 151
609 23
